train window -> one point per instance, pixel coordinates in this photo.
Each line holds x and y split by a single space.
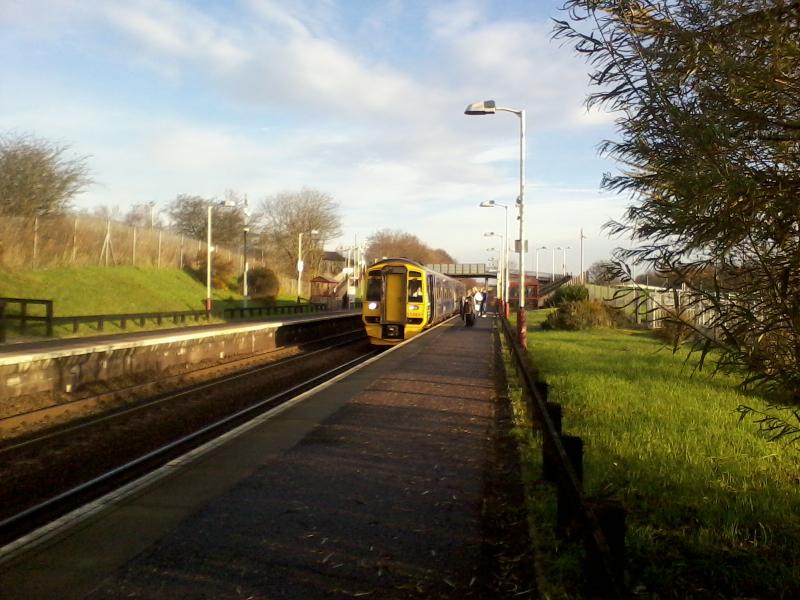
415 290
414 274
374 287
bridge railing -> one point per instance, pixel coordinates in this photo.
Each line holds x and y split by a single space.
463 269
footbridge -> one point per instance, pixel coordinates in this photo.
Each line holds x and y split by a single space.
465 270
486 271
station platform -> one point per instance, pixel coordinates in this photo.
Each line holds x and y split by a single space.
371 487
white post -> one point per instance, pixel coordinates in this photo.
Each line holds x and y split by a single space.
505 262
522 323
208 262
133 253
299 262
246 230
583 237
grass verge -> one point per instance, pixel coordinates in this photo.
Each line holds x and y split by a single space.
100 290
711 505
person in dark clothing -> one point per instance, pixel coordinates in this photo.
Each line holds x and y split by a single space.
484 297
468 311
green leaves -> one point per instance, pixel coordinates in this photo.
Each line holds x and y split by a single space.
708 138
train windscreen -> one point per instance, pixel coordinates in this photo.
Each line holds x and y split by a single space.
374 282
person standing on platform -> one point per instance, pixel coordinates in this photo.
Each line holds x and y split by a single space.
478 298
468 311
484 299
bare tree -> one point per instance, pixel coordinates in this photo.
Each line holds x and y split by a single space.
189 215
284 216
37 178
397 244
143 215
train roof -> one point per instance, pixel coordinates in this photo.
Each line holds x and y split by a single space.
398 259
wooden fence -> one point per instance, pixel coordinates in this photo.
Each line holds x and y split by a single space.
600 523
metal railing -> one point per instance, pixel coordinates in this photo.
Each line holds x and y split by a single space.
282 309
601 523
24 316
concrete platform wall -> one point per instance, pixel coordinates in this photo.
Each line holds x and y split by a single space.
68 369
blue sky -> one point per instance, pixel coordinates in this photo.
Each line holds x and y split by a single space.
363 100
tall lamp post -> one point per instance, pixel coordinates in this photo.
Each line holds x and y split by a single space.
537 259
553 264
502 277
504 295
300 260
564 260
489 107
210 248
208 259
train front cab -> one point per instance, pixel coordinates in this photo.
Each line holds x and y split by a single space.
396 308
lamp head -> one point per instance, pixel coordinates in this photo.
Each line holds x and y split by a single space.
487 107
487 203
488 234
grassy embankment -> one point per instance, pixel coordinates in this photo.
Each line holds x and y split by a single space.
712 507
99 290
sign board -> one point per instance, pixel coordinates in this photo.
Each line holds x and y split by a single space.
299 266
516 246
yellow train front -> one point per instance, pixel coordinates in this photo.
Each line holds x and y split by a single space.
403 298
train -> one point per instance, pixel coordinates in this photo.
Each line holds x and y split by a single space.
403 298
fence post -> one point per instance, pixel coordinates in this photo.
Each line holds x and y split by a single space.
2 322
49 314
23 316
35 240
611 518
133 253
74 240
567 504
549 459
158 260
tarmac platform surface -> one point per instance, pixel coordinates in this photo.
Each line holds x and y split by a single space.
371 487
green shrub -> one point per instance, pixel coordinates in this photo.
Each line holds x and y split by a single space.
222 270
568 293
262 283
583 314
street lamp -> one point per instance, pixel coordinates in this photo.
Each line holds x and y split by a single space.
564 260
300 260
537 259
210 248
553 264
501 282
504 262
488 107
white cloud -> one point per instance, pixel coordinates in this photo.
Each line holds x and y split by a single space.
387 139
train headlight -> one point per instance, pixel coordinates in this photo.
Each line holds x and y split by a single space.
413 307
372 305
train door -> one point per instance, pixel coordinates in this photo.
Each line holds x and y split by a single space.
393 310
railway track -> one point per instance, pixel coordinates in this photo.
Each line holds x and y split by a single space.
50 473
